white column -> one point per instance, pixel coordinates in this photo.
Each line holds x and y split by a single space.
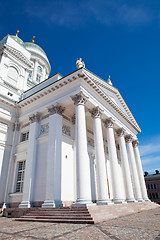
117 195
82 158
140 171
35 70
54 158
134 173
125 166
44 73
100 158
30 162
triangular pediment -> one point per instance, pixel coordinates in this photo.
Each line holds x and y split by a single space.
113 95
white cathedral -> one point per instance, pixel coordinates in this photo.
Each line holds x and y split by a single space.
64 141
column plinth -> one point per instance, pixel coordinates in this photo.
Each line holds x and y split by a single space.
117 198
100 158
140 171
134 173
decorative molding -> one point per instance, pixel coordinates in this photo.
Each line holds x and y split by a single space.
79 98
66 130
128 138
120 132
109 123
135 143
90 141
74 119
57 108
44 129
16 127
34 118
96 112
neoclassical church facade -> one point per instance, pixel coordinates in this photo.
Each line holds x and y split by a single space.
64 141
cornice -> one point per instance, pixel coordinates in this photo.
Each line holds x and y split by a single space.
7 101
17 54
70 78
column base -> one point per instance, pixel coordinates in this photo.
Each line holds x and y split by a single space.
140 200
52 204
130 200
104 202
25 204
118 201
81 203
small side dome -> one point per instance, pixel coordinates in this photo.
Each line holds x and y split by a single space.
17 39
33 45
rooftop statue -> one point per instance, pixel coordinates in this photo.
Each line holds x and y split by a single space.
79 63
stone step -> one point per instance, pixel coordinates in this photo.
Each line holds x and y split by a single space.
59 217
75 221
55 213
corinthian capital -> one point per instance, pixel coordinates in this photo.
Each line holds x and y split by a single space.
34 118
135 143
129 138
120 132
79 98
109 122
57 108
96 112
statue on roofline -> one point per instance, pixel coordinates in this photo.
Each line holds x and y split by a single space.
79 63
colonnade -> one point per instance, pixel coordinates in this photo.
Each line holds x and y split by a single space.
134 182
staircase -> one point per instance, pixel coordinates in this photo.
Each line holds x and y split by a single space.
58 215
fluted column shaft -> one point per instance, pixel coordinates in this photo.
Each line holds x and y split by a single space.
100 157
135 179
82 158
125 166
117 196
140 171
30 162
54 158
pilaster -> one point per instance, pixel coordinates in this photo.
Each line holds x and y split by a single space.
28 188
54 158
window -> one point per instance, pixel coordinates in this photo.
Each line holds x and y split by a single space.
38 78
39 68
10 94
12 76
24 136
30 75
20 176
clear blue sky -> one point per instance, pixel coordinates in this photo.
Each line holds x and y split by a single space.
114 37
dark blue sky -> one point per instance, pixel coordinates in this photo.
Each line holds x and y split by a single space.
113 37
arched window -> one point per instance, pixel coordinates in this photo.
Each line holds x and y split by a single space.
12 76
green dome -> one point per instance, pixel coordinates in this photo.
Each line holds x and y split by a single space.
33 45
17 39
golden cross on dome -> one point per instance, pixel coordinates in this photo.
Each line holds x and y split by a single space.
32 41
17 33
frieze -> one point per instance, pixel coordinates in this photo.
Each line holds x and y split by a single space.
44 129
90 141
66 130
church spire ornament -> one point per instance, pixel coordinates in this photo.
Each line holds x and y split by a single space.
17 33
109 80
32 41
